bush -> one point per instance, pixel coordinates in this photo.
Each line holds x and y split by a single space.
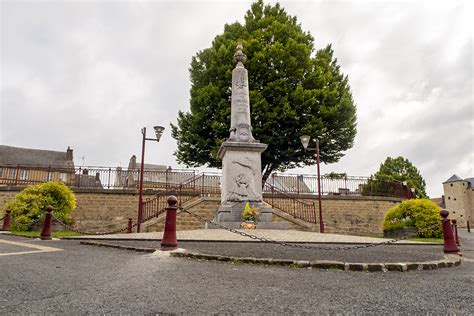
30 204
419 213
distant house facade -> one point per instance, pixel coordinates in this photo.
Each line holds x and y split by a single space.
19 166
459 198
154 176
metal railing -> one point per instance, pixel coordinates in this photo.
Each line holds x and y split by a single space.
289 204
191 180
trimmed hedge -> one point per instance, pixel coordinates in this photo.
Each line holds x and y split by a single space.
30 204
419 213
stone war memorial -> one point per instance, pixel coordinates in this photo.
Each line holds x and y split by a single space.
241 159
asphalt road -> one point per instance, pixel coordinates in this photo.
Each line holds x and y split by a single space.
83 279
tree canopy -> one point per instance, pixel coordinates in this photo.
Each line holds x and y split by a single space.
401 169
294 90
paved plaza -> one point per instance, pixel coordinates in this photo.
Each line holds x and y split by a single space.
222 235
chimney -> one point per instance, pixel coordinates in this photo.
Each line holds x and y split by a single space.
133 162
69 154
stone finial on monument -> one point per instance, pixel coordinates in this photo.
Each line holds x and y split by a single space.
241 157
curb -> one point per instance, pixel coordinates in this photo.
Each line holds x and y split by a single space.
447 262
99 244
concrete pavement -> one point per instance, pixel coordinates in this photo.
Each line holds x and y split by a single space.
222 235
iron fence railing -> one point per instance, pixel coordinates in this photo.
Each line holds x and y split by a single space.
287 203
191 180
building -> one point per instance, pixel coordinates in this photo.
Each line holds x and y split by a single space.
21 166
459 199
154 176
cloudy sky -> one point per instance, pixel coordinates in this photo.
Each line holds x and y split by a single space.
91 74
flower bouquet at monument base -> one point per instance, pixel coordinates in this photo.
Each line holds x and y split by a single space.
249 216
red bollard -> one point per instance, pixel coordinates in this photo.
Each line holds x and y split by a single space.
169 241
6 221
46 232
129 227
449 242
455 230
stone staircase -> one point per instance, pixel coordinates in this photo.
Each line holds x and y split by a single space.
206 207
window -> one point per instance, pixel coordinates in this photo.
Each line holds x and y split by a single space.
1 172
12 173
63 177
49 176
23 174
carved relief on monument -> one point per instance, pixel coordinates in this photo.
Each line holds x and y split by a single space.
242 186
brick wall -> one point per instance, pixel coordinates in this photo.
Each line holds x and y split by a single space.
103 210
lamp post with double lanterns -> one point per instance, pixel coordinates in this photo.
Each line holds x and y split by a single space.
305 141
158 132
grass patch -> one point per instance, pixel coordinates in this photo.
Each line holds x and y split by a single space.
420 239
36 233
435 240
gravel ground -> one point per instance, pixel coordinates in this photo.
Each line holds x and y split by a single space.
389 253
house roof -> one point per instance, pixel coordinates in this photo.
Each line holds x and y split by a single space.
454 178
26 156
438 201
471 182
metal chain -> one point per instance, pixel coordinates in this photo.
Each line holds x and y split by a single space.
70 228
25 224
282 243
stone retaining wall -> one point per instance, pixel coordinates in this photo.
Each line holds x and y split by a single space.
103 209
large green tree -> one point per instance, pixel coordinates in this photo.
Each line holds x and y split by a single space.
294 90
401 169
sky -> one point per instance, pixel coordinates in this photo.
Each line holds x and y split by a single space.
91 74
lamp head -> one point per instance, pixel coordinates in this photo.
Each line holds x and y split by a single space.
305 140
158 131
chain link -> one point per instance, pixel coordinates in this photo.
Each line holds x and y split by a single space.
282 243
116 231
70 228
25 224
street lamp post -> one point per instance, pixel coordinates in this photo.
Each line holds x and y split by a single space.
158 132
305 141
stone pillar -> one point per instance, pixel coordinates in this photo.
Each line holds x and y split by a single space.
241 159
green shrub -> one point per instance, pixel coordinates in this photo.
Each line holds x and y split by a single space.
419 213
30 204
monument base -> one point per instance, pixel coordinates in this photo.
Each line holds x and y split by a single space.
262 225
229 214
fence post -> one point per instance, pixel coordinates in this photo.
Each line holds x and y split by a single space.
455 230
6 221
129 226
17 174
46 232
169 241
449 242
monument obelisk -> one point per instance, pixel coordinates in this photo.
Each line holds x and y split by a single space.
241 157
